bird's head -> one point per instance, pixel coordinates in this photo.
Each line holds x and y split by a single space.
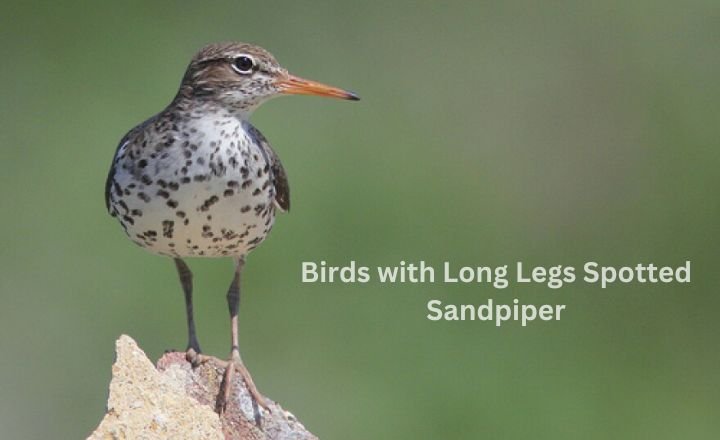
241 76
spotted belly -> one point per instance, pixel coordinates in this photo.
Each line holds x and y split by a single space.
197 217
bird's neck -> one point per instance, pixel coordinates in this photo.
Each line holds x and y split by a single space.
218 104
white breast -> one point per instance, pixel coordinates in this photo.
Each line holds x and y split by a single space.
208 193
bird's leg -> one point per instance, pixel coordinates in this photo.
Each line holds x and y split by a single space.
193 347
235 362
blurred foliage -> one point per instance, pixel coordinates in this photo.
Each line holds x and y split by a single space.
489 132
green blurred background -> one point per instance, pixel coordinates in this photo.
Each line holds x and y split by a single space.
489 132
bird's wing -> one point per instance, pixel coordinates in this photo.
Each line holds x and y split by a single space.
118 151
282 187
279 178
111 173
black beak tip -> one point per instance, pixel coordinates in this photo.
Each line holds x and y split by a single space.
352 96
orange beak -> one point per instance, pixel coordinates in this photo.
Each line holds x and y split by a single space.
293 85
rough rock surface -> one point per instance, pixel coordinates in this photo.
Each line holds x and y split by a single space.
176 401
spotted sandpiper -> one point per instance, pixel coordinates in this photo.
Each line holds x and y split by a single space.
198 180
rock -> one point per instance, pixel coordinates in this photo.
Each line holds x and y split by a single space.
176 401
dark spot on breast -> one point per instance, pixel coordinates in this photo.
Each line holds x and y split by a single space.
162 183
172 203
228 192
136 212
245 208
256 192
168 226
233 184
173 186
180 214
117 188
246 183
145 179
162 193
185 180
144 197
142 163
199 178
208 203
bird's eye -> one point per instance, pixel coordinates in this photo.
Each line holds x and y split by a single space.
243 64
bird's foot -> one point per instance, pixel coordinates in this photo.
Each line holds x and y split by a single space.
195 357
233 365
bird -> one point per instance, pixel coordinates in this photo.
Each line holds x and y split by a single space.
199 180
